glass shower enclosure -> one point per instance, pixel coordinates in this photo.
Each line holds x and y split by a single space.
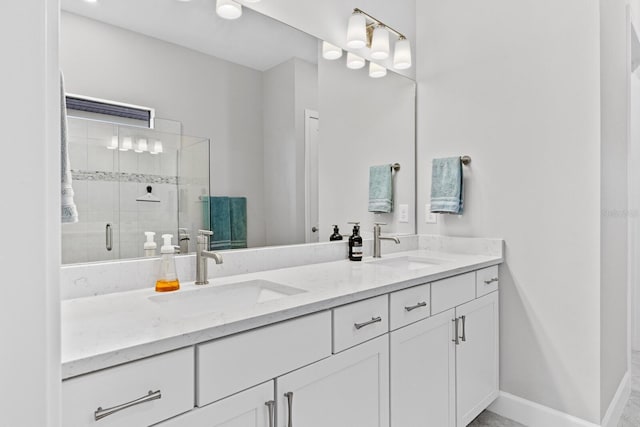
130 180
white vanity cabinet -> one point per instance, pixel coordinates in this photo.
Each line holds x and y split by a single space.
251 408
348 389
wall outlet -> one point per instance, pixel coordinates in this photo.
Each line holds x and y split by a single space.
429 217
403 213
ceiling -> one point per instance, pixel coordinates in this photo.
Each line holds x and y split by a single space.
254 40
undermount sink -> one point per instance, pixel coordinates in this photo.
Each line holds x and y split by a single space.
210 299
408 262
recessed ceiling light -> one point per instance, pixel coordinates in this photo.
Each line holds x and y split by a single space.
228 9
91 1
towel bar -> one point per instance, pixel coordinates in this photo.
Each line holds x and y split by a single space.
395 166
465 160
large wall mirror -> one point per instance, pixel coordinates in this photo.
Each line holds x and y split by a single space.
257 129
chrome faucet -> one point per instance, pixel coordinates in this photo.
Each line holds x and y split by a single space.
202 253
377 237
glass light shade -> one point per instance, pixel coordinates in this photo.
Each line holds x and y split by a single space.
355 62
127 144
402 55
114 143
357 31
380 43
228 9
142 146
330 51
252 1
157 148
376 71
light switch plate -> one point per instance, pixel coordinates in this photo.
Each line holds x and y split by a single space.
403 213
429 217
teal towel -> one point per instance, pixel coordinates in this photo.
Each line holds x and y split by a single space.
220 223
238 214
380 189
447 186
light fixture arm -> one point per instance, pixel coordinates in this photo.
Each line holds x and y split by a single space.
376 22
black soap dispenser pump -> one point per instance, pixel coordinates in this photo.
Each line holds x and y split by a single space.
355 243
336 234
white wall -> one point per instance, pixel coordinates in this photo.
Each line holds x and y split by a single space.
212 98
515 85
29 307
380 129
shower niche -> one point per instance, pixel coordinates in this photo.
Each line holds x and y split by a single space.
129 180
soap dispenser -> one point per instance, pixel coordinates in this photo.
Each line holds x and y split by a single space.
336 234
150 245
355 243
167 278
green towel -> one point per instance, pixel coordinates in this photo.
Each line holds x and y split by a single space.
220 223
447 186
238 214
380 189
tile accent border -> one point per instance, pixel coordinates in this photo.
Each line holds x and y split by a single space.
122 177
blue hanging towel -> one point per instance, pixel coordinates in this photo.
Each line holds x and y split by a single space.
380 189
447 186
238 208
220 223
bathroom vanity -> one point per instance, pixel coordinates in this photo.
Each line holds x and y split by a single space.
406 340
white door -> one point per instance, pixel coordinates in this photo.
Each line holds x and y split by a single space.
423 373
477 355
251 408
349 389
312 138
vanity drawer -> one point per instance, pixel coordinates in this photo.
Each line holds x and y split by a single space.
409 305
451 292
359 322
486 281
229 365
171 375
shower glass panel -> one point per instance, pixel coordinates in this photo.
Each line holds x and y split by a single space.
128 180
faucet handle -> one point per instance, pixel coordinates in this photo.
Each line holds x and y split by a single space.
205 232
380 223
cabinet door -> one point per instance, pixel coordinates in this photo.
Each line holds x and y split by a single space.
423 357
348 389
251 408
477 357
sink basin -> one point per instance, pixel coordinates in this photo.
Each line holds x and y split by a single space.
210 299
408 262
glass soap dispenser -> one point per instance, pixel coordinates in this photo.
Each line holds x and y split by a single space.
167 278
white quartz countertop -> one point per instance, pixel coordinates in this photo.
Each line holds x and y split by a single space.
103 331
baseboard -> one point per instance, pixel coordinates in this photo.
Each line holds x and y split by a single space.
619 401
533 414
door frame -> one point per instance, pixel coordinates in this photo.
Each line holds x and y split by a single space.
308 116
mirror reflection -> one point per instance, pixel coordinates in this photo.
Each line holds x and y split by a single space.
285 138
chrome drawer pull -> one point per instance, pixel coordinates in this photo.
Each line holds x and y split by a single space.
289 397
101 413
490 281
271 404
370 322
418 305
464 328
108 231
456 322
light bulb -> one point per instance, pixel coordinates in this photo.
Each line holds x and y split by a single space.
114 143
355 62
357 31
402 54
376 71
330 51
380 43
228 9
142 146
127 144
157 148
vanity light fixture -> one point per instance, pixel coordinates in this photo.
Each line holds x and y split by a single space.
354 61
357 30
142 146
157 148
376 71
228 9
252 1
330 51
402 54
113 145
380 43
127 144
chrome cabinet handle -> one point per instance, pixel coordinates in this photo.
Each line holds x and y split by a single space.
455 332
108 237
464 328
490 281
418 305
271 404
101 413
289 396
367 323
